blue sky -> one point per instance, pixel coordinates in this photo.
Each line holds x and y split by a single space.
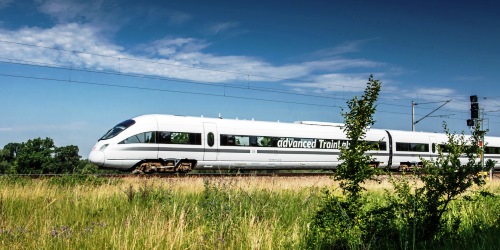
72 69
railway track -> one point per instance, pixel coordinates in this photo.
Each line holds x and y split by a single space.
172 175
496 175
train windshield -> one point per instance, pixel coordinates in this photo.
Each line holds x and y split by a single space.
117 129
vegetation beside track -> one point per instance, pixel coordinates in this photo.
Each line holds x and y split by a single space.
200 213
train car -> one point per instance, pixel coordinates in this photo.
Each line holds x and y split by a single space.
492 150
409 148
168 143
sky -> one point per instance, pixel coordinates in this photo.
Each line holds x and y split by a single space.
72 69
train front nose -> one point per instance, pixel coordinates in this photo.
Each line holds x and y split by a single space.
96 157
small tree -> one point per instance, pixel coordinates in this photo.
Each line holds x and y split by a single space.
65 160
10 151
41 156
444 179
355 168
337 224
34 156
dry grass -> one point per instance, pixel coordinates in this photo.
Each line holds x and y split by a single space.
246 212
175 213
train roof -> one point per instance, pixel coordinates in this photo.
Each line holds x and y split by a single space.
296 124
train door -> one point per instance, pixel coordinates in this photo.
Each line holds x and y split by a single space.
433 148
211 140
390 149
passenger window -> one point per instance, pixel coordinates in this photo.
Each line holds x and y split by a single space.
210 139
179 138
264 141
146 137
132 139
242 140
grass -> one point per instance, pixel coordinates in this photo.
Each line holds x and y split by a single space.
188 213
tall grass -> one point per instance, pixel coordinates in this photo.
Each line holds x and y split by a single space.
156 214
189 213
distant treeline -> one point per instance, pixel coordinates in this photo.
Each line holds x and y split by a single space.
41 156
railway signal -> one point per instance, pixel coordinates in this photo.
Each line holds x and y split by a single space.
476 122
474 112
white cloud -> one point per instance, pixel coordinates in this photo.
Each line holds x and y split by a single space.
182 58
83 26
335 83
67 11
5 3
222 27
337 64
434 92
171 46
346 47
177 17
431 98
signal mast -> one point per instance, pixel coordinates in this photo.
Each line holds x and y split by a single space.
476 124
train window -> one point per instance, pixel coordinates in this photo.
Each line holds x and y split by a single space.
263 141
380 145
195 138
492 150
132 139
179 138
242 140
164 137
227 140
210 139
117 129
253 141
288 142
146 137
413 147
444 148
245 140
433 147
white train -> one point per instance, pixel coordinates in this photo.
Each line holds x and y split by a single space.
162 143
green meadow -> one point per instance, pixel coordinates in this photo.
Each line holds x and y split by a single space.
198 213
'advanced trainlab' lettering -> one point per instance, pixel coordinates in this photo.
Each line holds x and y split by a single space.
315 143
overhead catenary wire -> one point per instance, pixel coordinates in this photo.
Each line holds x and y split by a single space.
119 58
225 85
163 90
72 68
191 92
191 82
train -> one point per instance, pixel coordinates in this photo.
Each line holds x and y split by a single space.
170 143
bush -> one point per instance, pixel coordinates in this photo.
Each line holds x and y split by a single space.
7 168
412 217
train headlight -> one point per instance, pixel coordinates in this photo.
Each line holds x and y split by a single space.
103 147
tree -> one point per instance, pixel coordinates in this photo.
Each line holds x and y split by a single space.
9 152
444 179
7 158
355 168
65 160
34 156
41 156
338 222
413 213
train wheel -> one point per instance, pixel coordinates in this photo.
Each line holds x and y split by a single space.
184 167
403 167
137 172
